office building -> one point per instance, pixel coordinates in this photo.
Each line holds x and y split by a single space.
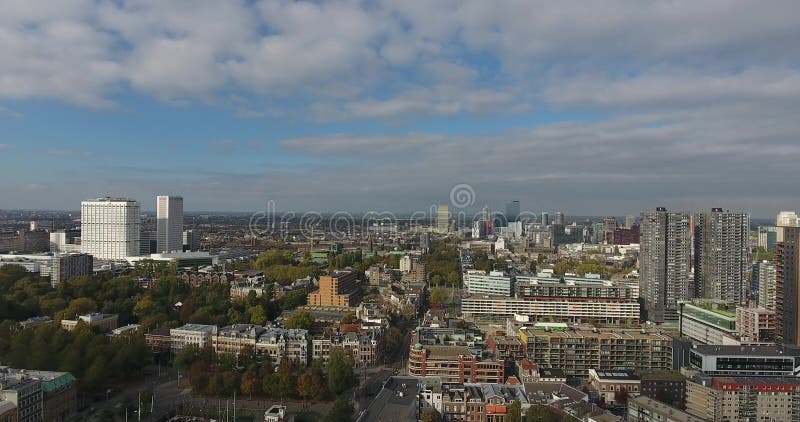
722 255
496 283
767 236
545 219
787 285
707 322
609 227
749 361
763 280
191 241
664 260
65 241
337 289
787 219
645 409
755 325
560 219
169 223
512 211
110 228
192 335
66 266
443 219
576 350
573 310
148 242
744 399
457 364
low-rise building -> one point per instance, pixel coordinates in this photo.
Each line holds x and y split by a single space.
277 413
454 364
531 372
364 347
34 322
158 340
646 409
129 329
757 361
102 322
665 386
279 343
24 392
506 347
612 385
707 322
199 335
233 339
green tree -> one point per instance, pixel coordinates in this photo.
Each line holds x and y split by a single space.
439 296
349 318
342 410
301 319
340 370
514 412
186 357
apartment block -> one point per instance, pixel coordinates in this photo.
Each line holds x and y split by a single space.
338 289
755 325
192 334
280 343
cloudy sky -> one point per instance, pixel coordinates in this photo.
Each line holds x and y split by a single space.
592 108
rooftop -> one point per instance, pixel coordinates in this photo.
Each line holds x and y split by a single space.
395 402
675 415
733 350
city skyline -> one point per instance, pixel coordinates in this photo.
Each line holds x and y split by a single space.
344 105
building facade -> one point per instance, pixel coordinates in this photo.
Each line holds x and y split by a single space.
664 260
645 409
576 310
192 335
169 224
787 285
280 343
66 266
707 322
744 399
764 278
339 289
110 228
721 255
495 283
755 325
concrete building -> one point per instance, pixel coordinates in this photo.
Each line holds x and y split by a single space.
443 219
38 263
664 263
569 309
559 220
110 228
65 241
577 350
169 223
764 277
191 241
102 322
66 266
645 409
707 322
787 285
767 237
192 334
8 411
512 211
39 395
339 289
25 393
665 386
755 325
496 283
721 255
457 364
611 384
181 259
406 264
744 399
148 242
756 361
279 343
545 221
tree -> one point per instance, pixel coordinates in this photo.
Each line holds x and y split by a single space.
307 386
251 383
186 357
340 370
514 412
349 318
301 319
342 410
430 416
439 296
257 315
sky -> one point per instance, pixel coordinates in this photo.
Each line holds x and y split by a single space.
590 108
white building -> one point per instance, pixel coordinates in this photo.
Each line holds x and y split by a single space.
110 228
577 310
169 223
279 343
495 283
406 264
192 334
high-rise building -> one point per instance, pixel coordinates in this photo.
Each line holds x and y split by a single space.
664 263
66 266
512 211
630 221
610 226
787 219
767 236
110 228
169 223
764 282
338 289
545 219
722 255
560 218
191 240
443 219
787 286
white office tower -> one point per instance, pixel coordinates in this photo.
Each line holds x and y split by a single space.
169 223
664 263
110 228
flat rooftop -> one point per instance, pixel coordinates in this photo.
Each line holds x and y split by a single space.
773 351
397 401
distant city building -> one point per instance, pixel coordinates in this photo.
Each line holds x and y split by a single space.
110 228
767 236
560 219
406 264
65 241
630 221
707 322
609 228
545 219
764 280
169 223
787 285
25 241
425 242
148 242
512 211
722 255
443 219
338 289
66 266
191 240
787 219
664 263
181 259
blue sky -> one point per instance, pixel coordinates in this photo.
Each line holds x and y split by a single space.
589 108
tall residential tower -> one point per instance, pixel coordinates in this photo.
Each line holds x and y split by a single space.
664 263
721 255
169 223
